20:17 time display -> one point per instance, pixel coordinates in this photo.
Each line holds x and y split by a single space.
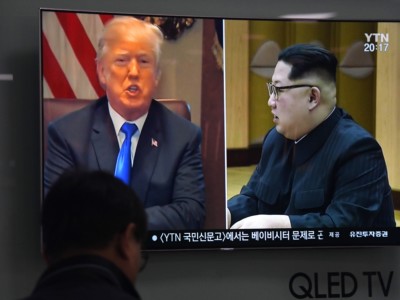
376 47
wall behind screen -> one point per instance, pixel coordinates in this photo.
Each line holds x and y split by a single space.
177 275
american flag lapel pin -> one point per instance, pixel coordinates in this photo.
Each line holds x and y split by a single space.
154 143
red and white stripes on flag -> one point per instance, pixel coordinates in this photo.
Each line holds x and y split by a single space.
69 43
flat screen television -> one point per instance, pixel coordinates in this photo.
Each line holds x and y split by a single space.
218 68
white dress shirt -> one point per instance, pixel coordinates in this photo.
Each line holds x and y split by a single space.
118 121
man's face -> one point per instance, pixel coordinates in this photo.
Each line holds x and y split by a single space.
291 109
128 70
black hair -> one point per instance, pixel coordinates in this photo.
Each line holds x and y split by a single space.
308 59
85 210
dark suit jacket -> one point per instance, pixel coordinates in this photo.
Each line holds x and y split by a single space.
335 177
168 178
84 278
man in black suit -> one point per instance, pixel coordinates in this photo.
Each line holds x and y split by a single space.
166 170
93 227
318 167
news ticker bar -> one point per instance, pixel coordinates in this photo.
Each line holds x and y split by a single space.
264 238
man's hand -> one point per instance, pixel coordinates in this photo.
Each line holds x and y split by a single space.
263 221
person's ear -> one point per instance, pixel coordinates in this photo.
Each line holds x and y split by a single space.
158 75
315 98
127 242
101 74
45 257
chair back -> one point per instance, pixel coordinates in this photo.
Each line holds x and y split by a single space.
56 108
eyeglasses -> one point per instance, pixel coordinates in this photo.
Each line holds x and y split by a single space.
275 90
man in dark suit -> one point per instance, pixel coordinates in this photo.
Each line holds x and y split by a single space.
166 170
318 167
93 227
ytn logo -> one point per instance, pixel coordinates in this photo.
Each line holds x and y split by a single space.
377 37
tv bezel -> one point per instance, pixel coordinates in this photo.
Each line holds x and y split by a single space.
230 242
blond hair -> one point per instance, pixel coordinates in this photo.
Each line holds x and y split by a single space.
135 27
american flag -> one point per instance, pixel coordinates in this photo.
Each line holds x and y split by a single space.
69 43
154 143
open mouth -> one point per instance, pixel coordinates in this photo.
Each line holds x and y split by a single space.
133 89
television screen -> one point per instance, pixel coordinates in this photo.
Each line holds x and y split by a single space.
226 77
